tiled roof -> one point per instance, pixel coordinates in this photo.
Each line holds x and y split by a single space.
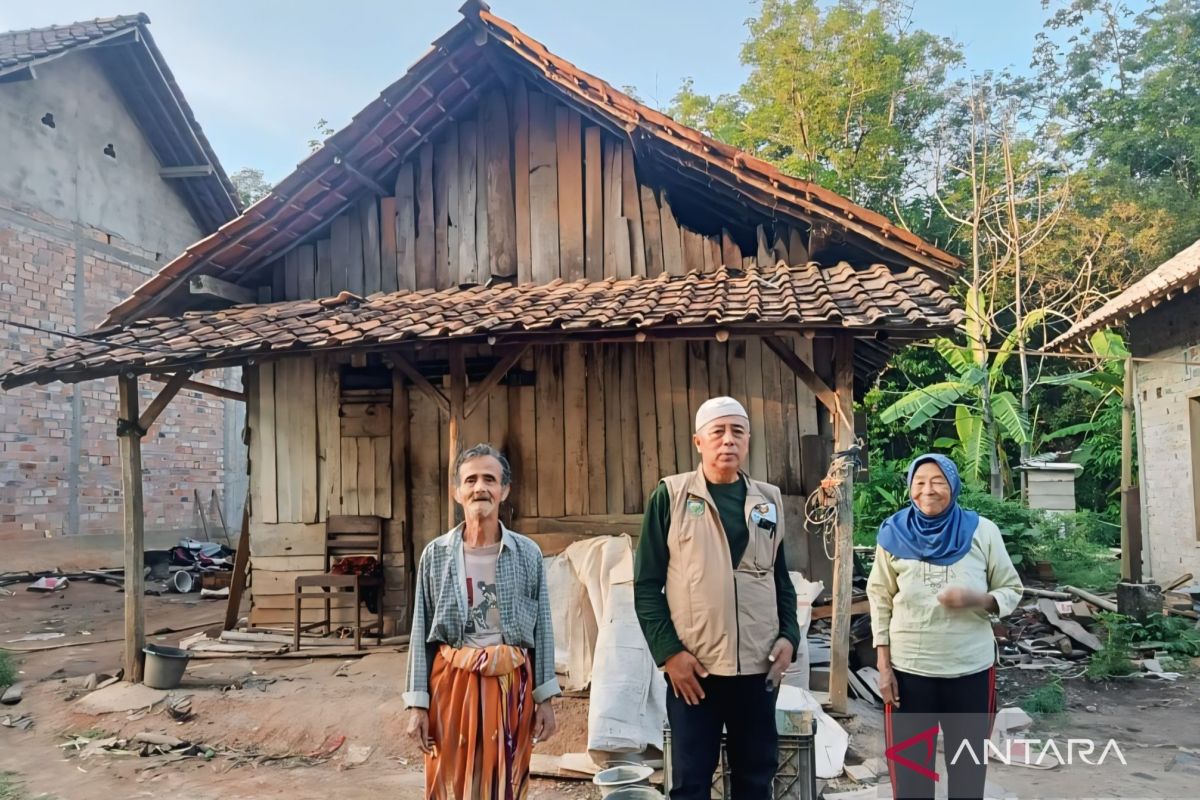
908 304
1179 274
35 44
450 78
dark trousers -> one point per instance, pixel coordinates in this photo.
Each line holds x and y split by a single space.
741 706
963 708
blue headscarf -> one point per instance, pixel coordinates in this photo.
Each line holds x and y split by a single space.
940 540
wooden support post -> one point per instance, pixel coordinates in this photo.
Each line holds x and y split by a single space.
130 436
843 559
241 561
1131 528
458 400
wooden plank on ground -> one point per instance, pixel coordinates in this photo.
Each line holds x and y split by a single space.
354 267
757 408
548 380
569 150
368 212
306 263
503 221
304 430
329 439
388 281
631 209
468 198
593 204
543 189
647 394
523 447
575 447
443 154
426 249
324 283
425 467
671 239
651 231
684 414
521 175
664 412
630 450
597 485
612 205
406 227
614 458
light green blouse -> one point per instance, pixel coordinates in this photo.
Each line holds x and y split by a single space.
926 638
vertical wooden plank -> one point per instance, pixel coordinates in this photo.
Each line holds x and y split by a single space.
134 513
797 252
372 260
304 429
502 250
498 418
350 477
383 476
442 173
550 446
254 429
672 243
575 448
612 210
630 449
286 490
624 246
774 412
406 228
806 401
698 385
762 255
426 246
709 264
718 369
521 175
664 411
329 438
306 261
685 414
693 250
651 231
523 442
291 275
714 245
324 282
731 254
354 266
268 511
468 173
597 484
593 204
278 289
453 206
614 458
482 247
843 564
543 189
736 354
779 248
569 153
647 393
400 473
388 280
366 475
792 468
757 408
425 460
631 209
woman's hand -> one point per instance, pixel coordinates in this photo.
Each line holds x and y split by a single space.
961 597
544 724
418 729
888 688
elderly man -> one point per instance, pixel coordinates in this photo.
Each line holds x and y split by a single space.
718 608
479 688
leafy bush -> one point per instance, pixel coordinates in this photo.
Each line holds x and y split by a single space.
1178 636
1049 698
877 498
1112 659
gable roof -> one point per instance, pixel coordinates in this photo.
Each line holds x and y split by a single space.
133 63
451 77
1177 275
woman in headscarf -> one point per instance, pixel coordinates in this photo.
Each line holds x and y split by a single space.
941 574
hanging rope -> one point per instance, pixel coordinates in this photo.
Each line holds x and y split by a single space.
821 508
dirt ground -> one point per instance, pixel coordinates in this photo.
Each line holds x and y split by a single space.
247 708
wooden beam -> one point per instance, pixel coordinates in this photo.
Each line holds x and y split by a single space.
805 373
241 561
421 382
458 399
1131 529
209 286
843 558
135 525
204 388
159 403
479 392
189 171
363 178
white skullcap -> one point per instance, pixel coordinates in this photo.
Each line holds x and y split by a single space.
716 408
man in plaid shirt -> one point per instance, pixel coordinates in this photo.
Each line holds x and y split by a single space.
481 657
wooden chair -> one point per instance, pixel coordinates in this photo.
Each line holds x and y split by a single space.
344 536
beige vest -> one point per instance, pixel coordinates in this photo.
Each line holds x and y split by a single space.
727 618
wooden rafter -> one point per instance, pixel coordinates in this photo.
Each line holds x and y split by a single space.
420 381
204 388
159 403
805 373
479 392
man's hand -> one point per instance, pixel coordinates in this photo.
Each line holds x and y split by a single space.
685 672
544 724
888 688
418 728
780 658
961 597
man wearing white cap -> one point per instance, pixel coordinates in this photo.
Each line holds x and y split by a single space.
717 608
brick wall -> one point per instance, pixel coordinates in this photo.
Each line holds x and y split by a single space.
59 467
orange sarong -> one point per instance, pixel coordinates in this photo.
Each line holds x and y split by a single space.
481 720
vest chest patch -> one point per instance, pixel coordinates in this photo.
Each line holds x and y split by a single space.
695 507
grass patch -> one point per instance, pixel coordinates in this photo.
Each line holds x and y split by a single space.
10 787
8 674
1049 698
1112 659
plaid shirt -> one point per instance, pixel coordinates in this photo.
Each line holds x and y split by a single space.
440 609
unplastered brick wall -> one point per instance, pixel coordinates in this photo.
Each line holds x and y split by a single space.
59 467
1165 388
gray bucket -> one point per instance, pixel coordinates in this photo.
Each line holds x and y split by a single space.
622 777
164 666
184 582
634 793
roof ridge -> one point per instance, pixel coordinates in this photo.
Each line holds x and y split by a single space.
122 20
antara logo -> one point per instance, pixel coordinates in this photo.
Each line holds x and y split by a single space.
1040 752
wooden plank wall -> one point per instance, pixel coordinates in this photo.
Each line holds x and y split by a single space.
525 186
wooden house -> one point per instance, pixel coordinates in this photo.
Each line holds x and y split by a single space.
504 248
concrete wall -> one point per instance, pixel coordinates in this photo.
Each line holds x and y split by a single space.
64 171
78 232
1168 411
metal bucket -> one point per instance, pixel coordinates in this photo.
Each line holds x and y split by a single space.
618 778
184 582
635 793
164 666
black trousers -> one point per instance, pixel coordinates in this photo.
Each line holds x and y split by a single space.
742 706
963 709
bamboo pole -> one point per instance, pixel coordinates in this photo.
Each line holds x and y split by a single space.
130 437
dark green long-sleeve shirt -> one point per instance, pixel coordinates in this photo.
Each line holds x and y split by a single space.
650 568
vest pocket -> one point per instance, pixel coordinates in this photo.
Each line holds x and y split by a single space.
760 550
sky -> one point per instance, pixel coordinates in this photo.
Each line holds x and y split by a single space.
260 73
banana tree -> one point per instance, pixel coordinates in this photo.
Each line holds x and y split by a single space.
986 413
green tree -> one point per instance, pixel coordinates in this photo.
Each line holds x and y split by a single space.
251 185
